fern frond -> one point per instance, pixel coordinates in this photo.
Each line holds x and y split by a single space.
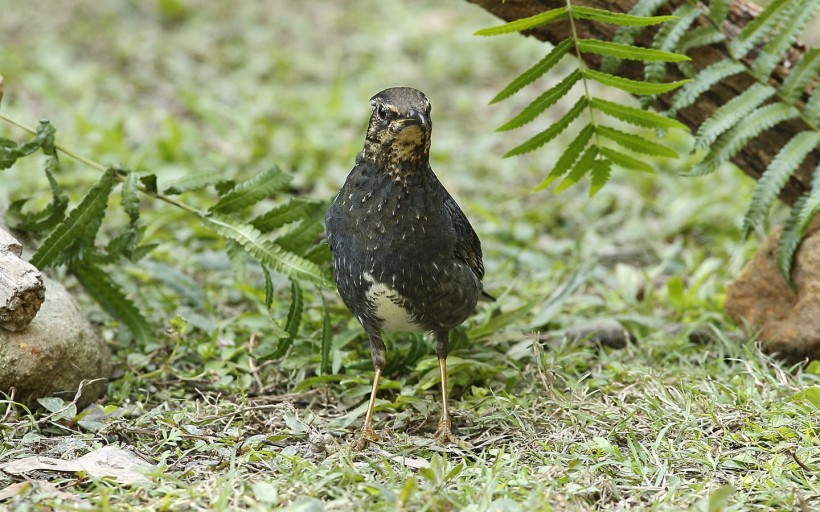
631 86
718 9
252 191
296 309
302 236
731 142
626 34
601 171
268 286
776 175
535 72
757 29
806 70
551 132
43 138
542 102
265 251
614 18
195 181
79 227
812 109
110 296
569 156
581 168
327 338
625 51
700 36
45 219
789 241
636 143
295 209
634 115
731 112
796 15
525 23
702 81
130 201
667 37
626 161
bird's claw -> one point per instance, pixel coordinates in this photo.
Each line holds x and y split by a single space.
368 435
445 436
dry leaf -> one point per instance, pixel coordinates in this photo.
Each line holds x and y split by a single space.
41 487
109 461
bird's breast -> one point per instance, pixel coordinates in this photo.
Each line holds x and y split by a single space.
389 306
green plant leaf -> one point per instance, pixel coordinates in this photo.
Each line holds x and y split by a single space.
327 337
295 209
543 102
731 112
731 142
703 35
757 29
626 161
265 251
629 52
79 228
535 72
789 240
47 218
130 200
525 23
110 296
796 15
703 81
635 116
636 143
626 34
667 38
252 191
302 236
268 286
296 309
43 139
806 70
601 170
631 86
195 181
718 9
581 168
551 132
776 175
615 18
569 156
812 109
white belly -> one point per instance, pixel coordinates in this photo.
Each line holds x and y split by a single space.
388 305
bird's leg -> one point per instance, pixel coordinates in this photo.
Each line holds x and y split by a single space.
444 433
379 353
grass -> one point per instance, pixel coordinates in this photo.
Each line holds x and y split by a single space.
663 423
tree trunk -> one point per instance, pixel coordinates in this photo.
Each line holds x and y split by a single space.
755 156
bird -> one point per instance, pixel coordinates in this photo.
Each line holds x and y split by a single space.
405 257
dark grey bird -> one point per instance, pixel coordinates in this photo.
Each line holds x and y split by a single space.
405 257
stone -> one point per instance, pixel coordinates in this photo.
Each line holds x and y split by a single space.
21 285
764 305
55 354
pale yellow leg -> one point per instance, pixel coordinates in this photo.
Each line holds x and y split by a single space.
367 434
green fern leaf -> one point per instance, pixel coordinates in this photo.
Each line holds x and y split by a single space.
525 23
776 175
268 286
614 18
812 109
788 242
80 226
110 296
700 36
535 72
296 309
542 102
806 70
636 143
43 139
551 132
702 81
626 161
667 37
579 170
624 51
626 34
601 171
731 112
130 200
267 252
796 15
45 219
295 209
731 142
718 9
327 338
631 86
757 29
252 191
568 157
195 181
302 236
635 116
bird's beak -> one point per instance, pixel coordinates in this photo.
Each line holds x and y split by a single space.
416 118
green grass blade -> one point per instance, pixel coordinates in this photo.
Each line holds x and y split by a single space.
568 157
80 226
635 116
532 74
525 23
252 191
629 52
615 18
731 113
626 161
631 86
542 102
551 132
636 143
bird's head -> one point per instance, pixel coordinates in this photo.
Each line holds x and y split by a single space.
398 136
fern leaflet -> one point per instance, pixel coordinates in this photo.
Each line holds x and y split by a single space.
631 86
718 9
535 72
601 171
626 161
757 29
731 112
543 102
624 51
795 16
525 23
667 39
702 81
581 167
636 143
806 70
614 18
252 191
634 115
551 132
295 209
568 157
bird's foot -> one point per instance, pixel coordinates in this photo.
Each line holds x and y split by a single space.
446 436
368 435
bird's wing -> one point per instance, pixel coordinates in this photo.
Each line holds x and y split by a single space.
467 247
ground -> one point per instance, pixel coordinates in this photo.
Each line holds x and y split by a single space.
665 422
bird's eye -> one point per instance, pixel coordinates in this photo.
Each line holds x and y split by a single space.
382 112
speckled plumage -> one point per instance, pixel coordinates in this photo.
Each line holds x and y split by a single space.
404 255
